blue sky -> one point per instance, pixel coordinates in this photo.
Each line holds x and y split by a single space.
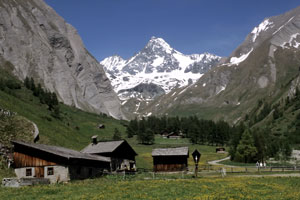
123 27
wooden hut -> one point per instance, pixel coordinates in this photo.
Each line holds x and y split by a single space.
57 164
170 159
121 153
220 150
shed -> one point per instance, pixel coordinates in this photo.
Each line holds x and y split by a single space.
101 126
121 153
220 150
170 159
57 164
174 135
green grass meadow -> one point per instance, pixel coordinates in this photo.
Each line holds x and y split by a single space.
201 188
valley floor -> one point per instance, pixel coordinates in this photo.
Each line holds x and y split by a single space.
114 187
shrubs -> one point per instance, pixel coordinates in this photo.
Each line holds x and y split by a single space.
46 97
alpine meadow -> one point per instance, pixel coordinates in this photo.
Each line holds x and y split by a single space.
149 100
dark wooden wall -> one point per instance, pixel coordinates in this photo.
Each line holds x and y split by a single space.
170 163
23 160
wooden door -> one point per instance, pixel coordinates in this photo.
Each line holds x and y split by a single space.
39 172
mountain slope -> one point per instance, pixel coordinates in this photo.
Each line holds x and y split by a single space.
262 67
38 43
156 64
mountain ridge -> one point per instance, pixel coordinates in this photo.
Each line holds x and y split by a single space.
38 43
263 66
157 63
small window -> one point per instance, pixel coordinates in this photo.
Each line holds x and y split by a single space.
50 171
29 172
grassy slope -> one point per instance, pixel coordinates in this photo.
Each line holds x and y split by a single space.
64 132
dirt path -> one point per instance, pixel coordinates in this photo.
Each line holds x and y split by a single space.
216 162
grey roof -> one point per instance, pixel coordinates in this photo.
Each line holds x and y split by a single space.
102 147
63 152
179 151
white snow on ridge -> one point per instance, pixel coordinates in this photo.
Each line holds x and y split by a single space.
238 60
265 25
292 42
158 64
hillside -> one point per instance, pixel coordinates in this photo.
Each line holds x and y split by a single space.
40 44
73 130
264 66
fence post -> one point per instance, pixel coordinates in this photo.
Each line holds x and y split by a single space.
231 170
246 169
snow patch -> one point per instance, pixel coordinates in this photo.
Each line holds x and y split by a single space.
265 25
183 60
158 61
292 42
149 114
221 89
138 106
182 91
204 84
238 60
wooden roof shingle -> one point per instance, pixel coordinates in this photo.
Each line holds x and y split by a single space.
104 147
179 151
63 152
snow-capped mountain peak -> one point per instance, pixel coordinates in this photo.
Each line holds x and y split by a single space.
159 44
156 64
113 63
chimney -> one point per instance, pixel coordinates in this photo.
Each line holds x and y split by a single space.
94 139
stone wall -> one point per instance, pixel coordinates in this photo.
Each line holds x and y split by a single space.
60 173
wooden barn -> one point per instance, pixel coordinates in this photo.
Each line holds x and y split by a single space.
170 159
121 153
57 164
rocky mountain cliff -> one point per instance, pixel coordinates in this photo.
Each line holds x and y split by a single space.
264 66
36 42
156 70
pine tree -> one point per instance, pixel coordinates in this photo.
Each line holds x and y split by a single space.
117 135
54 99
27 83
246 151
32 85
56 112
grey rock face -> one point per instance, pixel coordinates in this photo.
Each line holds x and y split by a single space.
278 29
40 44
147 91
